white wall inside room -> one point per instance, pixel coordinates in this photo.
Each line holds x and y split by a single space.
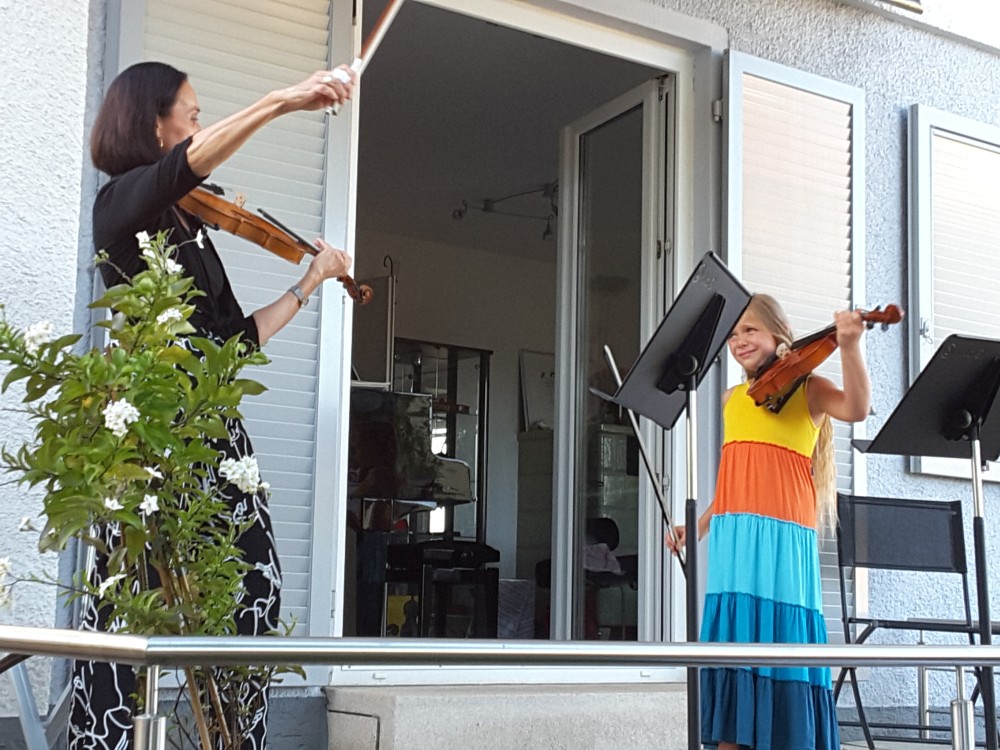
455 295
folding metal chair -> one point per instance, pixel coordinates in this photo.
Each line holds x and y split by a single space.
906 535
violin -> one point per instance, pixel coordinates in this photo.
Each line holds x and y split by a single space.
268 233
776 380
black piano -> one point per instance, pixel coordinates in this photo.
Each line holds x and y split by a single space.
394 480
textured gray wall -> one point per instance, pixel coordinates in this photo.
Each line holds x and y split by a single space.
897 66
46 75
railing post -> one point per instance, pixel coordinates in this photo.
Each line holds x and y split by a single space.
963 727
923 691
149 730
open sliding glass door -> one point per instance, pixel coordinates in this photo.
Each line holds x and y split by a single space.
612 281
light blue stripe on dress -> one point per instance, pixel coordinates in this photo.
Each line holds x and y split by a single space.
766 558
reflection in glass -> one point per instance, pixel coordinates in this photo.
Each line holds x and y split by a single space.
607 479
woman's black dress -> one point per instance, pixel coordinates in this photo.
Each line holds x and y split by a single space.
143 200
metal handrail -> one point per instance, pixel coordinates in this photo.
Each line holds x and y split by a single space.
178 651
158 652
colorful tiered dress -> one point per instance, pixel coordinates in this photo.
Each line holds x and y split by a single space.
764 581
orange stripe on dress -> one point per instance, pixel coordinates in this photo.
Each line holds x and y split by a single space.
767 480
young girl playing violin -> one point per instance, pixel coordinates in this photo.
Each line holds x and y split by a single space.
776 480
147 138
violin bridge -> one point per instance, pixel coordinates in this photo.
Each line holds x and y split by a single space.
239 200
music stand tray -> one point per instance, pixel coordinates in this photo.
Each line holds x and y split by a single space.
949 412
685 343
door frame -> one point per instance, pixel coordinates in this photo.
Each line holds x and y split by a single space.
692 54
567 588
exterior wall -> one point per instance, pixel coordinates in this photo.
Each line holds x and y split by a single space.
897 65
47 75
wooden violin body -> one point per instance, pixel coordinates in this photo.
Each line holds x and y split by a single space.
231 217
775 381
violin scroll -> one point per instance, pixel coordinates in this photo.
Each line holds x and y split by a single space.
360 293
891 315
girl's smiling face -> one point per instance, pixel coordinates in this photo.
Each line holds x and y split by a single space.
750 343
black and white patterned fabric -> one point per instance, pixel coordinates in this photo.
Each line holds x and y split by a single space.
103 706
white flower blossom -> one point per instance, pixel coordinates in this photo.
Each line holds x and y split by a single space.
168 315
244 473
153 473
167 451
118 415
112 504
149 504
165 264
5 567
108 583
26 524
143 238
199 239
37 334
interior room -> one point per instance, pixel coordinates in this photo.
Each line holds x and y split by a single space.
458 204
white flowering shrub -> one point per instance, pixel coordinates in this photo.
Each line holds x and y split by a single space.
123 450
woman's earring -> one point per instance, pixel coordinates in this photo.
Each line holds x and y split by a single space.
161 143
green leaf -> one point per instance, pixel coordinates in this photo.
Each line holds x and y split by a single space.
17 373
250 387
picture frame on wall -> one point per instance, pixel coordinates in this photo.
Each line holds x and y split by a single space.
538 391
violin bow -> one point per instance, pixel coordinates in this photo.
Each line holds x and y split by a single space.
368 47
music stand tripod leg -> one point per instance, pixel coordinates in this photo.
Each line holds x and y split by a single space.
691 519
982 592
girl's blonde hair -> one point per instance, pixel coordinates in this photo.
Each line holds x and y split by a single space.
824 465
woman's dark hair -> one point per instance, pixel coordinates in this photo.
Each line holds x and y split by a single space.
124 135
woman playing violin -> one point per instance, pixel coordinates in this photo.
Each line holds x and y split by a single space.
148 140
776 480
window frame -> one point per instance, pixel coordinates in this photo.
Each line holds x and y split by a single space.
924 122
736 65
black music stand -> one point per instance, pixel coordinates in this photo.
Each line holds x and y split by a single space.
662 382
948 412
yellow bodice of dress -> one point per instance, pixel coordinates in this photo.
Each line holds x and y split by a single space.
791 428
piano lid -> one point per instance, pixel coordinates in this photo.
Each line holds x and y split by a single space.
389 451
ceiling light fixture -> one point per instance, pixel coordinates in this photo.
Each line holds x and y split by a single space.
549 192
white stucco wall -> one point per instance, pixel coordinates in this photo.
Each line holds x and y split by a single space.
44 73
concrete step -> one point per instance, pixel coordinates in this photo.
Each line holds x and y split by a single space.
500 717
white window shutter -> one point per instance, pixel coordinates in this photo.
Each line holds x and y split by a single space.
795 213
954 254
233 53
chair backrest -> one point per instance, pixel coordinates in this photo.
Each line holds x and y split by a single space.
899 534
602 530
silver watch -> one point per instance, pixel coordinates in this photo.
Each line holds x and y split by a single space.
296 290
